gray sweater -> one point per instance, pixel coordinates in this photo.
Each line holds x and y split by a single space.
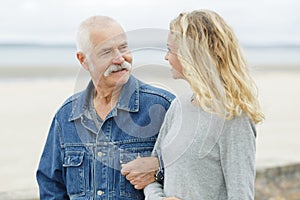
205 157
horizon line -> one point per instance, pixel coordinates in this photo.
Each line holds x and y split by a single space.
155 44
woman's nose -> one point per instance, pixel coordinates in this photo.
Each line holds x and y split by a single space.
166 56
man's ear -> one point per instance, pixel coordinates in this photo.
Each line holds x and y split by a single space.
82 59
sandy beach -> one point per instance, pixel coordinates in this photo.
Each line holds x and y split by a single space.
28 105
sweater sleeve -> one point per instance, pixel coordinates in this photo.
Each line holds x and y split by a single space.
237 152
154 191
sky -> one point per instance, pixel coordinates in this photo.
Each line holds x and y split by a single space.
255 22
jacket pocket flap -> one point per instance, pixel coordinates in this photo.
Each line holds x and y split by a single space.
129 154
73 158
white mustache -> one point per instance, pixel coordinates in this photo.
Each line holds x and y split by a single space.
115 68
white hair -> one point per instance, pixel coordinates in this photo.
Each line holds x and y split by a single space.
83 41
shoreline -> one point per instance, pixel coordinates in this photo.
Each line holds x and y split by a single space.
44 71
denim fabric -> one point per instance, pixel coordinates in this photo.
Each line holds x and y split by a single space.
81 161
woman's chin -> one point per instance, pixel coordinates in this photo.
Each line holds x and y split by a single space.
177 76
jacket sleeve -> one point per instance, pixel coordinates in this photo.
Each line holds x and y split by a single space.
237 151
50 174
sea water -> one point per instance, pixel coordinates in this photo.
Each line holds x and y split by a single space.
65 56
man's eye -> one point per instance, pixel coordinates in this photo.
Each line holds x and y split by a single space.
106 52
123 47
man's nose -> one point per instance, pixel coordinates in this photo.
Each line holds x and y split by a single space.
118 58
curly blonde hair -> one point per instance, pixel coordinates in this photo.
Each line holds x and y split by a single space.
214 65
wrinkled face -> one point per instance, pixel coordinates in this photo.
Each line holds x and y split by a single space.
109 61
172 58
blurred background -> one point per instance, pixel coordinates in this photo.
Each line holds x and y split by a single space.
39 70
43 32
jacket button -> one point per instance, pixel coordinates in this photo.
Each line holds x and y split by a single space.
100 192
100 154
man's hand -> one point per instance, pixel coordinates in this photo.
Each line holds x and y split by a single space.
171 198
141 171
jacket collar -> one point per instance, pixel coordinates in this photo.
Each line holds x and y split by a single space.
128 100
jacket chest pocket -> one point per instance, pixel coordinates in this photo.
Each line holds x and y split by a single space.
74 170
126 155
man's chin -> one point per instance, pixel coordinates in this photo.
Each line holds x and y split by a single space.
121 80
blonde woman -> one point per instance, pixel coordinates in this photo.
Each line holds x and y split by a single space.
207 141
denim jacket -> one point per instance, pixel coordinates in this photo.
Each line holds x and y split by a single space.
82 161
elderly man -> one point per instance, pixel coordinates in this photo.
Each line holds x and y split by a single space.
115 120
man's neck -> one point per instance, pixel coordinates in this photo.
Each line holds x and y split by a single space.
105 100
107 95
